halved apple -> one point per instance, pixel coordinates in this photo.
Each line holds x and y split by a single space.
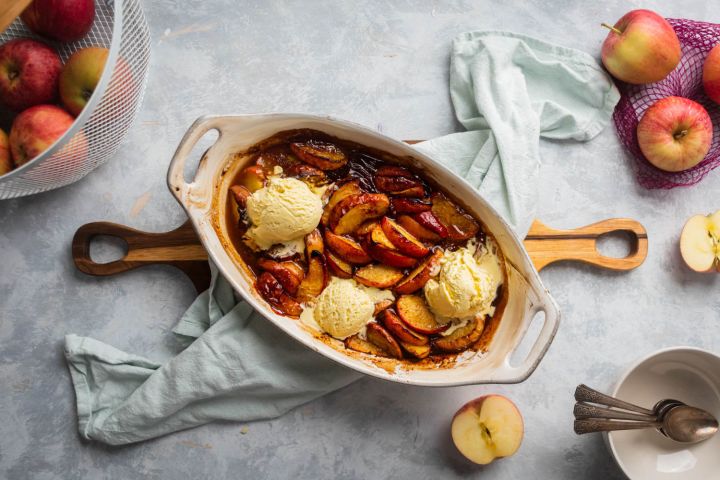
347 248
358 344
463 337
417 279
700 242
459 224
420 232
380 337
487 428
252 178
394 325
323 155
378 276
431 222
272 291
410 205
404 241
415 313
354 210
344 191
289 274
240 194
337 266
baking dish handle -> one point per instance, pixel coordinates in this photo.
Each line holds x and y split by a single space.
176 170
517 374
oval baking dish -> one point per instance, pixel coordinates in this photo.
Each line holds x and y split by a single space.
203 200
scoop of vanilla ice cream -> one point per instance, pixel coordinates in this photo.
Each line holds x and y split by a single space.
343 308
283 210
466 285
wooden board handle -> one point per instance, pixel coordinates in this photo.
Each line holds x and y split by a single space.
546 245
179 248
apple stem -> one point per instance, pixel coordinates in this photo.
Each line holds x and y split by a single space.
680 134
610 27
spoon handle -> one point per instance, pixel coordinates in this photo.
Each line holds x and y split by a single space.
583 393
591 425
583 410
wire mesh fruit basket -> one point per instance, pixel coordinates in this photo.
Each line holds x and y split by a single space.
97 132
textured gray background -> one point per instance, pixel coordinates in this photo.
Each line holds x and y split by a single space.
383 64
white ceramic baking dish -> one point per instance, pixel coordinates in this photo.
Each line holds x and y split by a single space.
204 201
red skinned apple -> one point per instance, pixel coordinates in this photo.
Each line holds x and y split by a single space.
711 74
63 20
80 76
6 163
29 73
487 428
35 129
642 47
675 134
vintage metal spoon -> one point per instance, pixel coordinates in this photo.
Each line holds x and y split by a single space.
688 424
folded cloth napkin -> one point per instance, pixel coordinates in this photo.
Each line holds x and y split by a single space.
508 90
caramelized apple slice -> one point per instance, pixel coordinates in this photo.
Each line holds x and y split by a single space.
316 278
398 181
273 293
417 351
377 235
394 325
366 227
462 338
307 173
317 153
252 178
344 191
459 224
404 241
382 305
417 279
410 205
337 266
415 313
431 222
378 276
289 274
358 344
347 248
241 194
388 256
420 232
352 211
314 243
393 171
380 337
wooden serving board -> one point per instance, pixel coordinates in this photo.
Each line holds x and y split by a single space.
182 249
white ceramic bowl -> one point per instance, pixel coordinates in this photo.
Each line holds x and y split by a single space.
691 375
204 200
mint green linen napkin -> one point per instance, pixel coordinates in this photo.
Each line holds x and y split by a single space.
508 90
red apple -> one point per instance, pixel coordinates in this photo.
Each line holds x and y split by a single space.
675 134
487 428
63 20
6 163
35 129
29 72
80 76
711 74
641 47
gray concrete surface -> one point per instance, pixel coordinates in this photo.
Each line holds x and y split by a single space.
383 64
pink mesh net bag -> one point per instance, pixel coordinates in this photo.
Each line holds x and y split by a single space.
696 40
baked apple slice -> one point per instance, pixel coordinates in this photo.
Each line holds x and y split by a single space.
382 250
337 266
405 242
320 154
431 222
378 276
394 325
398 181
366 228
420 232
410 205
354 210
413 310
316 278
380 337
344 191
252 178
289 274
462 338
272 291
417 279
460 225
240 194
358 344
307 173
381 306
347 248
417 351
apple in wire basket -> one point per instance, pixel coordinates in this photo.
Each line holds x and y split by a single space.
62 20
